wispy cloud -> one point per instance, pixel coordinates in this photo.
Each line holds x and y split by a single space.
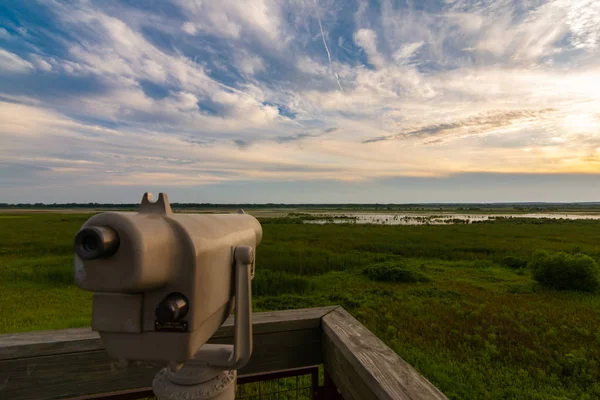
12 63
485 123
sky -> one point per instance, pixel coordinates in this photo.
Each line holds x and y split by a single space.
304 101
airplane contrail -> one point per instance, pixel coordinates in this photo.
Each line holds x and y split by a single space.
337 78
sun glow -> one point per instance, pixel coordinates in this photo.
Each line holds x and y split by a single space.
582 123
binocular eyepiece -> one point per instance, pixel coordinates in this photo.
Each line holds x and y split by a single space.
96 242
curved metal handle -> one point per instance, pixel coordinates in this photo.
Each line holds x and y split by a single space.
238 355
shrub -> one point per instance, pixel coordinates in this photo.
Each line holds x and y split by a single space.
564 271
514 262
393 272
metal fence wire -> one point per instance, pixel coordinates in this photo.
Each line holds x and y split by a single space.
299 384
295 384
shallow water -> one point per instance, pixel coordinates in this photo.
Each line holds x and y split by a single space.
432 219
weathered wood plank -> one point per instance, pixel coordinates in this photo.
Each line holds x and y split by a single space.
32 344
282 340
70 375
282 350
363 367
77 374
280 321
40 343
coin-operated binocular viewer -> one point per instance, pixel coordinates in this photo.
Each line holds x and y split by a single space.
163 284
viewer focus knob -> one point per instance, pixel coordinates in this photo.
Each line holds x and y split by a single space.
173 308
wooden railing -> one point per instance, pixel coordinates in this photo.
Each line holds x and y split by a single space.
72 362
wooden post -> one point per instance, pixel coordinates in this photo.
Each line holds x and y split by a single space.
363 367
330 391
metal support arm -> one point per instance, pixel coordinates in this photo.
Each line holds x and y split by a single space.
238 355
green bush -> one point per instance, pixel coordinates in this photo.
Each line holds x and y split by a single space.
564 271
514 262
393 272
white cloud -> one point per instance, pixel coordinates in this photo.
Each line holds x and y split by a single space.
23 120
530 40
250 63
234 19
185 101
189 28
125 56
10 62
40 63
403 55
310 66
583 19
367 39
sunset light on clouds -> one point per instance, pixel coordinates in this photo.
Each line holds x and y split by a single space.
300 101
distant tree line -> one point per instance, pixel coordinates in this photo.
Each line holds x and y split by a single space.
353 206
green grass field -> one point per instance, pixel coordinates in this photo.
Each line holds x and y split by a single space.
476 329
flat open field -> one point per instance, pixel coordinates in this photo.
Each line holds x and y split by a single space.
475 328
